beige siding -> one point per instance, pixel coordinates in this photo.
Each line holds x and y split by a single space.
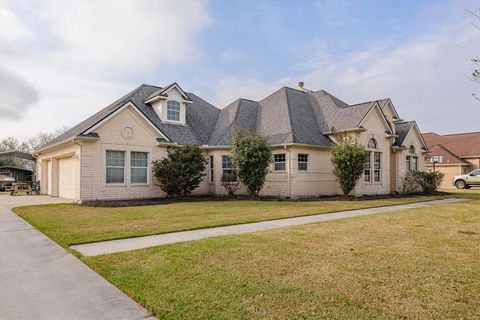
414 139
389 114
376 130
94 184
48 169
450 170
318 180
89 163
475 162
144 139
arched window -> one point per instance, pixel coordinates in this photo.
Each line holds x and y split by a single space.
411 150
372 144
374 164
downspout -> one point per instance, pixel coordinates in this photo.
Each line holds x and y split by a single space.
80 155
289 175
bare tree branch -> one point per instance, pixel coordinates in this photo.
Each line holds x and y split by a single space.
473 13
475 76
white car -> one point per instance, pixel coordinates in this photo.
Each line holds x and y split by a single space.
466 181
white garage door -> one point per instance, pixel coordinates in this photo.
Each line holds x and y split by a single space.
66 181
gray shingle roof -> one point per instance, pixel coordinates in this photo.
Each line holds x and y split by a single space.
201 117
402 129
338 116
286 116
241 113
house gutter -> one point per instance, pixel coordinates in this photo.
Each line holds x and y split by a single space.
333 132
39 151
289 176
80 191
168 144
207 147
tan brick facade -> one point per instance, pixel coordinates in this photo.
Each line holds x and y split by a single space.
90 163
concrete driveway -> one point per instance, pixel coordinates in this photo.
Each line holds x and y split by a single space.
40 280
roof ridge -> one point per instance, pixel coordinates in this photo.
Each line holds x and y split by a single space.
456 134
247 99
289 115
298 90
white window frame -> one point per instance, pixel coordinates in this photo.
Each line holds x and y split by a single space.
212 169
367 171
303 161
275 162
436 159
175 104
146 168
123 167
229 168
370 170
379 170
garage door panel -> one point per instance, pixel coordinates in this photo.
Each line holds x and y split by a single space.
66 178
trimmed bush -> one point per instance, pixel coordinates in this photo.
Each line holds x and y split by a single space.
251 157
428 180
230 183
181 171
349 158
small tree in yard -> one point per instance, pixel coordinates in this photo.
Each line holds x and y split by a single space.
251 157
428 180
349 159
230 182
181 171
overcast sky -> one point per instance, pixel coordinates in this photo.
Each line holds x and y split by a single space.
61 61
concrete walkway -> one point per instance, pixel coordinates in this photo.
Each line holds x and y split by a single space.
40 280
112 246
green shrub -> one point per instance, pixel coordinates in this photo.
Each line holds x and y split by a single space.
349 159
409 184
181 171
251 157
230 182
428 180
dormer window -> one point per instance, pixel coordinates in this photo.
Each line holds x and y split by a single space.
173 110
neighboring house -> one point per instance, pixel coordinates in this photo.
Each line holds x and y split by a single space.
109 155
453 154
13 165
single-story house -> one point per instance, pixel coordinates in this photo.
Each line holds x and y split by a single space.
453 154
109 155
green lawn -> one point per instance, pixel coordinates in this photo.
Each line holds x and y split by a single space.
70 224
416 264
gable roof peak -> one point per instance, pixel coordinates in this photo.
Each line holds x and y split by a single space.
161 93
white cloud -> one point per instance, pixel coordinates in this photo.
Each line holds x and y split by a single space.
16 95
11 28
82 55
128 34
425 77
